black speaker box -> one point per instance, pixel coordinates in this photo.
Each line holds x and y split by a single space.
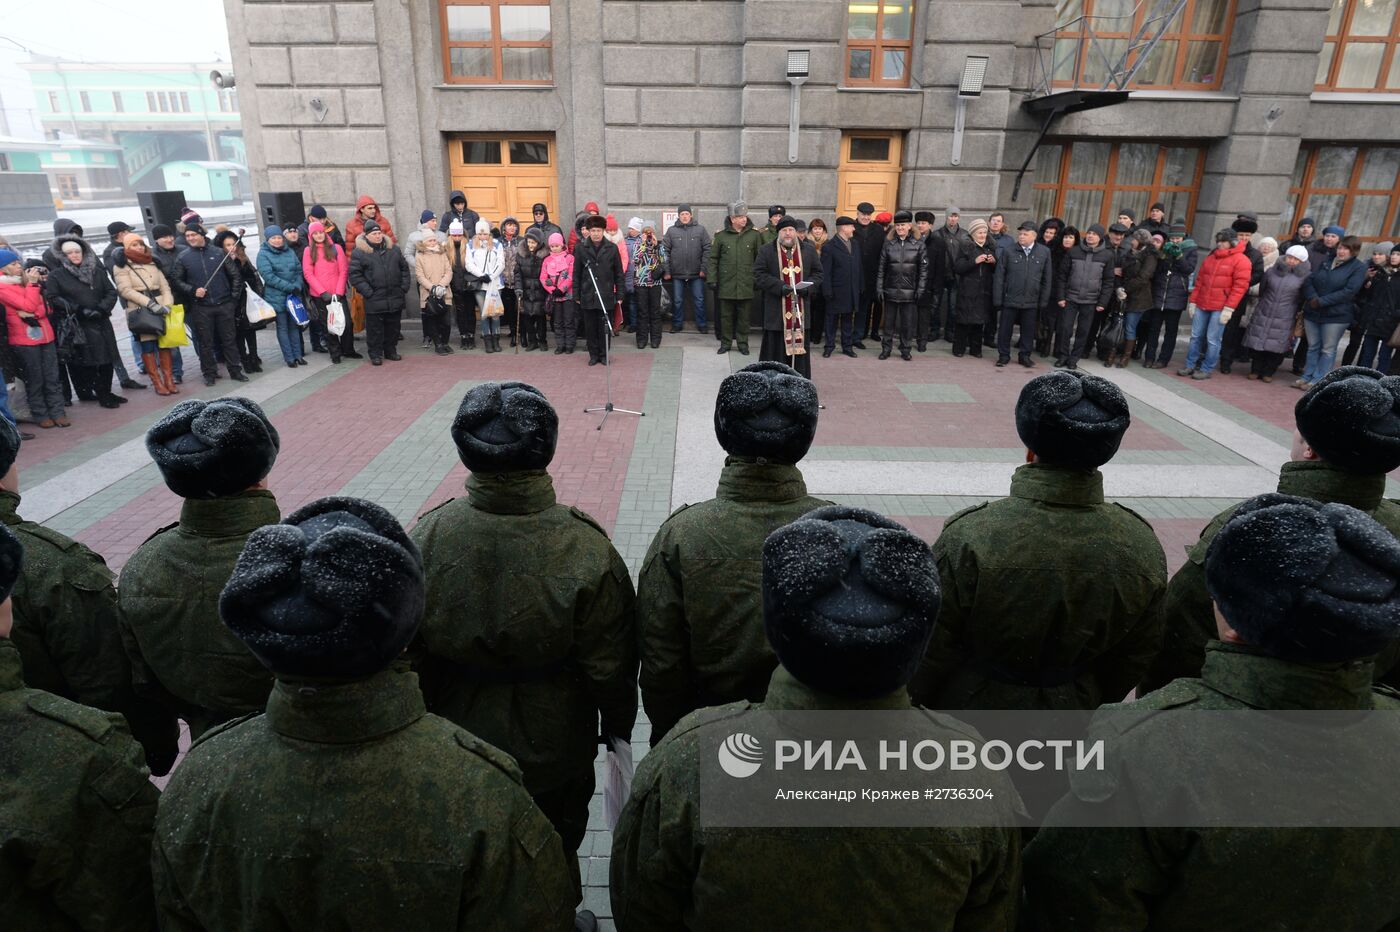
283 208
160 207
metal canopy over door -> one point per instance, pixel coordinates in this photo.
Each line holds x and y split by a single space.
869 170
503 176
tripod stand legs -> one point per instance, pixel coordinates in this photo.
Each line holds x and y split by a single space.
607 407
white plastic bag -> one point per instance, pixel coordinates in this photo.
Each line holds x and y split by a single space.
335 317
617 780
258 309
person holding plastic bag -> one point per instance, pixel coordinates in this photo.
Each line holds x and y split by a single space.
280 269
486 262
326 270
380 274
142 286
245 281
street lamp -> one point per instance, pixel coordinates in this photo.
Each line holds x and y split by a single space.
799 66
974 75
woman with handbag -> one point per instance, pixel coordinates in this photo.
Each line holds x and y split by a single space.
1381 299
326 269
280 269
31 337
434 273
486 262
78 283
246 277
464 287
143 287
1271 320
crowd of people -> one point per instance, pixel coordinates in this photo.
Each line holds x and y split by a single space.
398 728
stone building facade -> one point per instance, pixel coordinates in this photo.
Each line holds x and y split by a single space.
643 105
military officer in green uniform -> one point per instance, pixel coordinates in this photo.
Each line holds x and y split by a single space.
849 599
1051 597
529 631
698 598
1347 439
76 802
347 805
1305 595
730 274
65 629
216 456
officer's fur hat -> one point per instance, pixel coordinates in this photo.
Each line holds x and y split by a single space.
11 560
9 445
1351 417
768 411
849 601
1068 418
333 592
505 427
1306 581
207 449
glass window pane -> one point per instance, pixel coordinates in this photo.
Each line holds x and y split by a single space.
1179 170
893 67
1334 165
1083 208
860 64
1045 202
896 21
1326 209
1372 18
1392 80
1202 62
1334 18
1066 56
1324 62
529 153
1209 18
1088 163
1068 10
1136 201
1300 165
1178 204
1379 169
472 62
860 21
1367 218
525 64
1113 15
481 151
1157 70
870 149
1137 163
468 23
1047 166
1361 64
1100 57
524 23
1395 228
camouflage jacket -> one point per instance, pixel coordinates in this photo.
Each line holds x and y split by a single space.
76 808
1051 599
1188 619
528 633
700 598
66 631
669 871
1124 879
347 806
168 594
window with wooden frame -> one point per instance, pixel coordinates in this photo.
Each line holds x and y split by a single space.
496 42
1084 181
1362 49
879 42
1350 186
1189 56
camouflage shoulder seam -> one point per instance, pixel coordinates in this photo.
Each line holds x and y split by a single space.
707 716
436 508
489 753
160 531
950 722
223 727
1174 695
1388 692
1146 523
588 519
676 512
91 722
964 513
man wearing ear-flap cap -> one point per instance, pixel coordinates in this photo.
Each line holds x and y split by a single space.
1052 596
76 801
1304 594
529 633
1347 438
347 805
698 608
848 600
216 456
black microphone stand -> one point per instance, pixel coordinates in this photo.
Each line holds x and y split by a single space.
607 406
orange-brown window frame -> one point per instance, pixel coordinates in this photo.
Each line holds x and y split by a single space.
1301 190
878 46
1108 211
1342 38
1181 38
496 44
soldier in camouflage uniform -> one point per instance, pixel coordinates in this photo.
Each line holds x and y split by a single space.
1051 598
1305 595
347 805
849 599
698 610
216 456
1347 440
529 631
76 803
66 632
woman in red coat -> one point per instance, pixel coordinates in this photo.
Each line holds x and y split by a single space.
31 337
1221 283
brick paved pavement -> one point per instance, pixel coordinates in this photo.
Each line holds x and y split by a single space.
917 441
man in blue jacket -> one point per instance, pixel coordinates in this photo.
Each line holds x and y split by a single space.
204 282
1021 286
1329 307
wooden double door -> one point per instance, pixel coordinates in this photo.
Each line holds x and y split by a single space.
505 175
869 171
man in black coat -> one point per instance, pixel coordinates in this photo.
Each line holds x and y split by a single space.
380 273
870 240
779 265
901 279
1021 286
543 224
842 284
1245 226
954 239
597 285
206 283
926 326
1083 288
457 209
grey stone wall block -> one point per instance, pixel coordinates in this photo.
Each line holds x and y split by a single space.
288 23
722 65
364 106
977 21
1280 30
271 65
700 23
1230 194
292 106
768 106
934 150
691 107
345 146
697 185
1190 119
718 146
620 21
354 22
644 64
877 109
766 63
942 64
768 148
282 147
790 186
794 20
1334 119
336 65
378 183
975 193
1275 74
620 105
1252 116
622 186
649 146
519 110
1253 155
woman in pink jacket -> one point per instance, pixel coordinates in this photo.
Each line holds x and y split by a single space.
31 338
326 269
557 276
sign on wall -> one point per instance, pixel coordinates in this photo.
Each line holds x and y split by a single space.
668 217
